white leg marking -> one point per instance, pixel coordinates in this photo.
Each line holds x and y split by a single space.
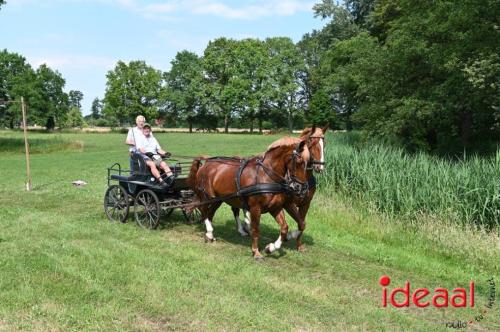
321 167
241 229
293 235
247 221
272 247
209 228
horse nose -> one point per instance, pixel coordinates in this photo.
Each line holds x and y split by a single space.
319 168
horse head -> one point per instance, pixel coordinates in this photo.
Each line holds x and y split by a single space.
315 138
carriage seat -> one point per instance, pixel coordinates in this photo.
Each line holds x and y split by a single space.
141 170
122 177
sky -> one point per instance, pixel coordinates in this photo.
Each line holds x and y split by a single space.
84 39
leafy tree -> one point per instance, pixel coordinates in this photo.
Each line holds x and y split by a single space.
184 92
319 110
74 118
16 80
285 65
132 89
96 109
2 2
75 98
254 81
342 25
223 86
360 10
49 104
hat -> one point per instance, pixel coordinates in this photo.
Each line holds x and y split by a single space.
146 125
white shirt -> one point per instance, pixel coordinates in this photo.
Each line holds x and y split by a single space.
150 144
135 134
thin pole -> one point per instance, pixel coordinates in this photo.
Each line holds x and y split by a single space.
26 146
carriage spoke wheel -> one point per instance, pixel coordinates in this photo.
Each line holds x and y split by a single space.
116 203
147 209
193 216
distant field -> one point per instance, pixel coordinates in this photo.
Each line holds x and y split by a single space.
63 266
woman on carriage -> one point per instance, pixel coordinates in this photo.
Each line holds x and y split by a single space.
152 154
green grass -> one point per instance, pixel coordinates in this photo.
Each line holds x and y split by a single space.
63 266
48 144
407 186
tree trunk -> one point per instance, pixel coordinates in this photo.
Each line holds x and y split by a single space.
226 124
260 124
251 125
190 127
290 120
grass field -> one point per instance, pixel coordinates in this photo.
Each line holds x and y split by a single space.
63 266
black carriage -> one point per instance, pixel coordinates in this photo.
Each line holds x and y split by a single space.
137 188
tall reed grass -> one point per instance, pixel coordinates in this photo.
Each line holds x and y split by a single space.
389 180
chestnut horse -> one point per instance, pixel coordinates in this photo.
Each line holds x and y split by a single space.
298 208
284 162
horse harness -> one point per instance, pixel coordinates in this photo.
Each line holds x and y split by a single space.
289 184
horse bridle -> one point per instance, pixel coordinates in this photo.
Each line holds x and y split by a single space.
296 186
315 162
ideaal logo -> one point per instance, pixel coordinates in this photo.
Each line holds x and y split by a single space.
459 297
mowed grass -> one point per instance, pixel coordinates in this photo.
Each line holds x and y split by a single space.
63 266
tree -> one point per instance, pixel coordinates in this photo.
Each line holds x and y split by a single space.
132 89
2 2
96 109
427 75
220 66
16 80
74 118
75 98
285 65
255 90
50 104
183 95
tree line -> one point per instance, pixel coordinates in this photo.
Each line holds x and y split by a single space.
423 75
42 88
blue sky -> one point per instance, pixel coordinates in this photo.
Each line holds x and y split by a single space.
83 39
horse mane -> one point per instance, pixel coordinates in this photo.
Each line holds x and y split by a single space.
286 141
307 131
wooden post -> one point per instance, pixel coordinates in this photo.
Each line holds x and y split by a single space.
26 146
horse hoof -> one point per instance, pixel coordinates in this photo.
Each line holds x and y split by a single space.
301 248
258 259
209 240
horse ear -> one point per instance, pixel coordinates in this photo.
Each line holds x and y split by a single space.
325 128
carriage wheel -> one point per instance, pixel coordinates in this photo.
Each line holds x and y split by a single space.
147 209
193 216
116 203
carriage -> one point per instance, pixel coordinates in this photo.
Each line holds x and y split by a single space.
137 190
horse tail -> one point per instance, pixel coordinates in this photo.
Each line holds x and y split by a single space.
191 180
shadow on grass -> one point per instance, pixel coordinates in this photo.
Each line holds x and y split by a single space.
225 230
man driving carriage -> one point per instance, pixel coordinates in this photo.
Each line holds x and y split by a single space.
152 154
133 135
